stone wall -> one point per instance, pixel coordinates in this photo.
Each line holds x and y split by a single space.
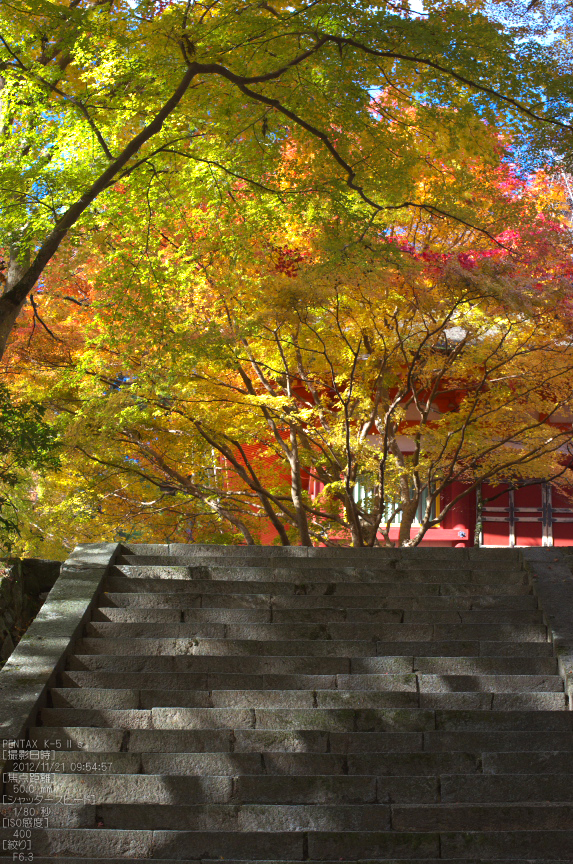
24 585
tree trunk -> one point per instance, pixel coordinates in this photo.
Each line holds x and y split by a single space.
296 492
9 309
408 514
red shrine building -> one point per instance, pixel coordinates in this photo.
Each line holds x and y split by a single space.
534 514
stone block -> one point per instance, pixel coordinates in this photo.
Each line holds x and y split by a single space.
201 718
506 788
280 741
508 844
327 789
180 741
140 680
135 788
201 764
391 846
263 699
366 699
118 718
95 843
339 720
247 845
482 817
413 764
93 698
542 762
383 681
499 721
451 667
405 720
376 742
456 701
90 740
304 763
476 741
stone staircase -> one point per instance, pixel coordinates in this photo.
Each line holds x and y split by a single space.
252 704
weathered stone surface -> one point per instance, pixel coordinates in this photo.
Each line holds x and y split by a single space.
120 718
413 764
371 845
519 684
376 742
542 762
93 843
506 788
543 721
254 845
26 674
508 844
325 789
263 707
482 817
250 817
479 666
135 788
494 740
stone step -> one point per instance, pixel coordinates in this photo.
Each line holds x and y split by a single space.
476 741
220 569
457 683
196 682
506 788
249 817
289 846
273 763
118 845
287 595
336 632
516 669
177 789
333 616
291 600
251 860
482 665
311 640
542 762
472 741
436 554
367 817
411 719
393 657
219 789
407 697
482 817
262 705
394 559
324 587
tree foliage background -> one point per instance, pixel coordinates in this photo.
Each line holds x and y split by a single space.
236 230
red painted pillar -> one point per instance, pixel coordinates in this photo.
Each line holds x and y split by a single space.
461 516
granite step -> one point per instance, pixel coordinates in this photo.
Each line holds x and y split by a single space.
519 671
312 640
301 845
331 616
404 695
325 586
476 741
294 705
252 572
268 594
410 719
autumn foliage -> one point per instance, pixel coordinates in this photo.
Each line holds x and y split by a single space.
235 369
